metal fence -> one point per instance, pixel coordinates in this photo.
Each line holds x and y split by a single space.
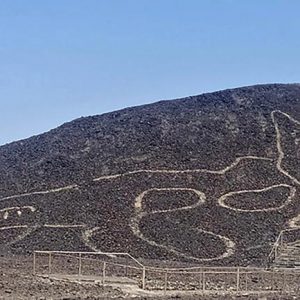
122 268
97 266
285 237
223 279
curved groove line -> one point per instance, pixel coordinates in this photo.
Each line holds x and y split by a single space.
86 238
139 199
279 146
56 190
219 172
230 245
222 199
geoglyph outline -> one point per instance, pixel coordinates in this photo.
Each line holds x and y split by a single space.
230 244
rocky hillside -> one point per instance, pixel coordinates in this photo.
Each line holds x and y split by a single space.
208 179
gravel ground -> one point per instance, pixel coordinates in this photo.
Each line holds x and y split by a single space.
17 282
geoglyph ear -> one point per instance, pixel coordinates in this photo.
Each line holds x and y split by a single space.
158 200
288 144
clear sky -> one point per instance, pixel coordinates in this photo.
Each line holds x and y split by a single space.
62 59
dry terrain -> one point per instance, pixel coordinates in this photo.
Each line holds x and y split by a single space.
209 180
17 282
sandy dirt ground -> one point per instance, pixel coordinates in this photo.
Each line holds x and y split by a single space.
18 282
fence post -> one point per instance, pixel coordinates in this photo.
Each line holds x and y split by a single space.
284 281
200 279
50 263
203 281
34 263
166 281
103 273
237 279
144 278
79 265
276 247
246 281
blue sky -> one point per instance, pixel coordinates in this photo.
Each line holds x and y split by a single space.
62 59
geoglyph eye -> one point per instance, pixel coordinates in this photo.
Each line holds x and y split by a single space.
5 216
10 211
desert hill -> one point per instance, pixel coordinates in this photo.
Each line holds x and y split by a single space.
208 179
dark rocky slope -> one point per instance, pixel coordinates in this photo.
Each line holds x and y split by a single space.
209 179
